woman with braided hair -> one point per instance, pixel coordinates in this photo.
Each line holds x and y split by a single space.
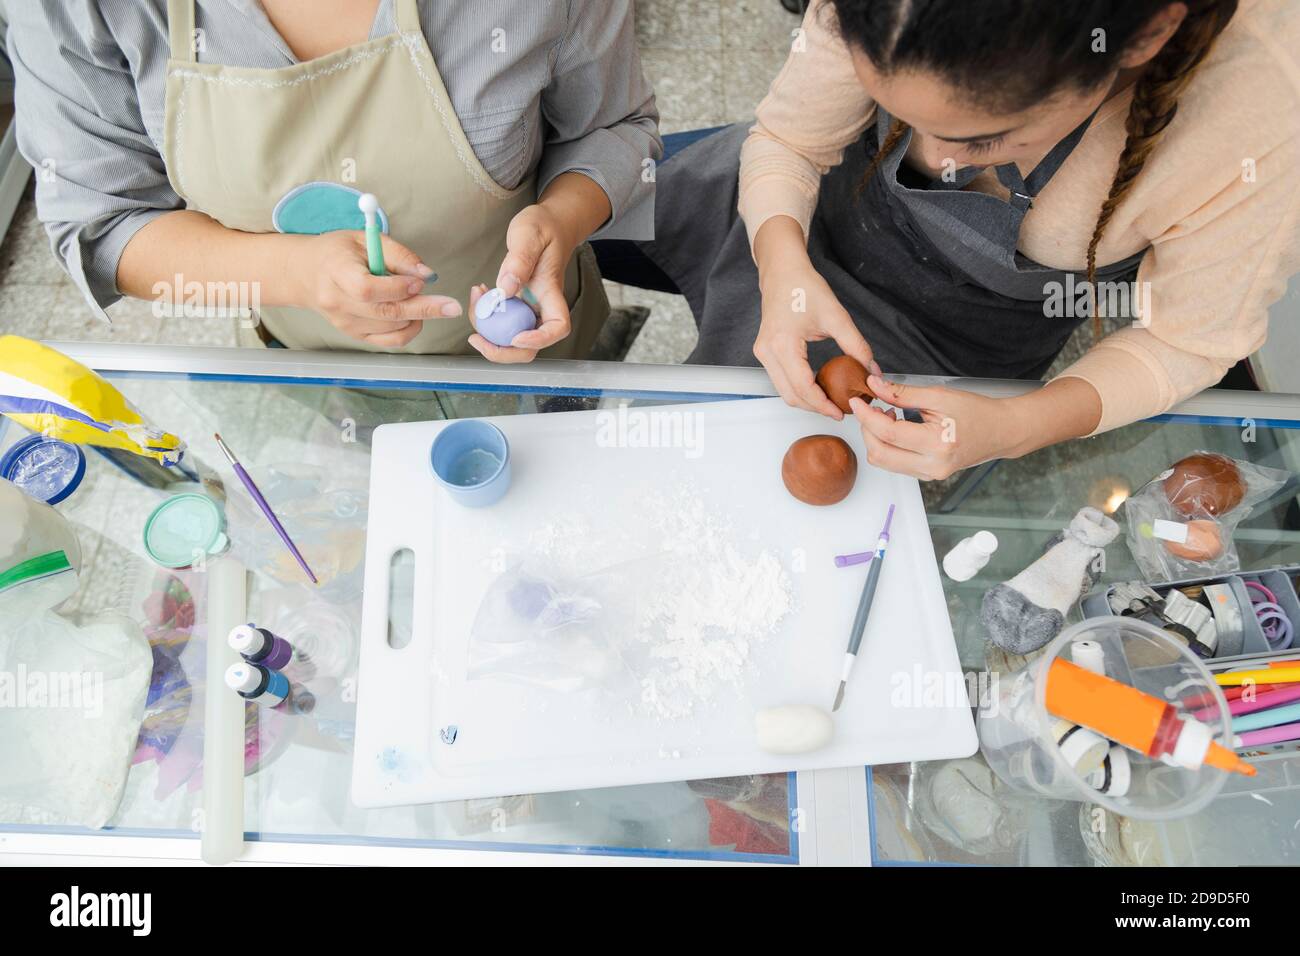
951 187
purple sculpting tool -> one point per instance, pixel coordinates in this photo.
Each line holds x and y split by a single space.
266 509
864 608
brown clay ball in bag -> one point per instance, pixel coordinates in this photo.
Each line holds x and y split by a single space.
843 378
820 469
1205 485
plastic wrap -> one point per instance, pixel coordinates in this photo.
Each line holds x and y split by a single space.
564 634
1180 524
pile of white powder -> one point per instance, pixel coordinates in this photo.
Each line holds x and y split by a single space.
706 602
712 603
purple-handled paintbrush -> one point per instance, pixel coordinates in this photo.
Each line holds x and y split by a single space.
266 509
864 608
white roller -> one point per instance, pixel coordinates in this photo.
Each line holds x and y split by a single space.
223 719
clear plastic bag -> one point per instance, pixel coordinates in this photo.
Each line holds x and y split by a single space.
563 634
1180 523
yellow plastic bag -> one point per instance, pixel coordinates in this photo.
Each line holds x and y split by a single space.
45 391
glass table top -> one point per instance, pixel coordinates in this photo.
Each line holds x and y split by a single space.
957 811
307 441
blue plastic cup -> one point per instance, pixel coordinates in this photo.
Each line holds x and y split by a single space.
471 459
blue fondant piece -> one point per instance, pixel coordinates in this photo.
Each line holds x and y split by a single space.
315 208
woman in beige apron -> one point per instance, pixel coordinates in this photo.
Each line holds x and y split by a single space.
238 140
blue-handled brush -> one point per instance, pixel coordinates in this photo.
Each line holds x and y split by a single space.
864 608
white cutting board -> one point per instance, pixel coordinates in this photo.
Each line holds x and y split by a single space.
514 738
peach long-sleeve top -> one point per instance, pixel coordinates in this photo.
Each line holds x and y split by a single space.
1218 202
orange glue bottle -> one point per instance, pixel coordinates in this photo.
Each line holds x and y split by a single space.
1139 721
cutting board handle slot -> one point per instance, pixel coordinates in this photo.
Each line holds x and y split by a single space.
400 606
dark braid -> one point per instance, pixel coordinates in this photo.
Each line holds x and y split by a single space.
1155 101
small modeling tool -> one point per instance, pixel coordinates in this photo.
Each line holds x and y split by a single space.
369 207
1139 721
266 508
864 608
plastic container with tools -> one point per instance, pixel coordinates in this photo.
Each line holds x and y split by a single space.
1251 818
1252 640
1024 743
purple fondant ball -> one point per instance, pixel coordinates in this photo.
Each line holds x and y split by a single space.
508 319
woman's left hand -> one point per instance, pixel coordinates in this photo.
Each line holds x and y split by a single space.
539 247
958 429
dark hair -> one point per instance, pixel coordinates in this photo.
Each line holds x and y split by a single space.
1012 53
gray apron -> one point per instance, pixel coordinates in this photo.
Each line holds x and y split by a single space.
929 270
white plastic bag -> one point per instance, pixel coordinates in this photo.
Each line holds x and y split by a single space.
71 698
71 702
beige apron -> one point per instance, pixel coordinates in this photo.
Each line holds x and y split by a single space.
237 140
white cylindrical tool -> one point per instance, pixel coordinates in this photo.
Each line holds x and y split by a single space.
964 561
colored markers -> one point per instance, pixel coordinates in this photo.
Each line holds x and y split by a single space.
1269 717
1271 735
1271 675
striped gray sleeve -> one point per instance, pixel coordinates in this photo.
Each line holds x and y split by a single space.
601 116
99 177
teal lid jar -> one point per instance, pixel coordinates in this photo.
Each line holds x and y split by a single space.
185 530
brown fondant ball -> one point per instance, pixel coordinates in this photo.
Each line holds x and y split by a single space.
842 378
1204 485
820 469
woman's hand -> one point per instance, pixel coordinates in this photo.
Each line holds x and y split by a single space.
540 242
333 276
798 308
960 429
540 246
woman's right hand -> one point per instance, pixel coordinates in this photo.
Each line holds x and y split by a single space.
799 307
333 276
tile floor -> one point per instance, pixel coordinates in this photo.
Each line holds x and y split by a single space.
711 62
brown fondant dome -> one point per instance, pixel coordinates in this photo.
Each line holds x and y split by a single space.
820 469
